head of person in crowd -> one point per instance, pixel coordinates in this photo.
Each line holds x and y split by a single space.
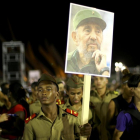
126 91
17 95
100 82
34 89
134 85
74 87
5 88
61 86
48 90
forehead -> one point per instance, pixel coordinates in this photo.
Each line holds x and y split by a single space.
75 89
46 83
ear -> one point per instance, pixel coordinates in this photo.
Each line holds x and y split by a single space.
74 38
106 81
57 94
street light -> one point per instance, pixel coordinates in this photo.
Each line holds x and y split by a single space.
118 68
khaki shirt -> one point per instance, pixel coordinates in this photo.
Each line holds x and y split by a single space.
72 64
101 107
42 128
35 107
93 119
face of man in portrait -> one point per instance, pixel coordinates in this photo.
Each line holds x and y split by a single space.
88 38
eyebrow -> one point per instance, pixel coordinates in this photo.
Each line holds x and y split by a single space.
87 27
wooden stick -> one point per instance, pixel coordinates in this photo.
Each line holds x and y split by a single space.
85 102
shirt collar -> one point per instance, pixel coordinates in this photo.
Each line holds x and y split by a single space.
60 113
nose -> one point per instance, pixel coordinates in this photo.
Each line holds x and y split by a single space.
93 35
44 93
76 96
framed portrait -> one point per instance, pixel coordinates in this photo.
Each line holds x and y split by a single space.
89 41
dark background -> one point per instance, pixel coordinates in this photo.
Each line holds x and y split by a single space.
40 21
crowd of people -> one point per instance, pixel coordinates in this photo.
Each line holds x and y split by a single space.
54 108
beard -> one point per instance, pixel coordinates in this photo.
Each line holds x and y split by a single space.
83 50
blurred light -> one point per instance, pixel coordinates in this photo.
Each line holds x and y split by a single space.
117 69
116 64
123 67
120 64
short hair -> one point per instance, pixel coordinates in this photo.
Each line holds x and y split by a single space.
34 84
4 89
134 80
126 75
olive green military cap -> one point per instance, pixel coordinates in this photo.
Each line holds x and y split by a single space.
47 77
88 15
74 82
58 80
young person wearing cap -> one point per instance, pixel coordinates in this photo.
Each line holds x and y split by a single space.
62 95
119 103
100 99
52 123
74 86
88 36
128 120
33 96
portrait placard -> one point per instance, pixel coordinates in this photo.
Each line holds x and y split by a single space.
89 41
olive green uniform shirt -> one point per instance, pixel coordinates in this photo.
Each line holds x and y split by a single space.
42 128
101 107
72 64
93 118
35 107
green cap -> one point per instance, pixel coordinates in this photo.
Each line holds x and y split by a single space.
74 82
47 77
58 80
88 15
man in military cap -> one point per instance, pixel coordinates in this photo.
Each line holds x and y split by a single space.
74 86
100 98
62 94
52 122
87 36
33 96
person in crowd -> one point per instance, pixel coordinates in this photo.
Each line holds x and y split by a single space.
119 103
74 87
4 101
52 122
33 97
36 106
62 94
14 127
4 88
100 99
128 120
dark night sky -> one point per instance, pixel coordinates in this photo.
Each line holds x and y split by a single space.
35 22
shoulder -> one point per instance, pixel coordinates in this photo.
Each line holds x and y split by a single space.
68 111
30 118
93 93
60 102
18 107
70 55
114 93
72 112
